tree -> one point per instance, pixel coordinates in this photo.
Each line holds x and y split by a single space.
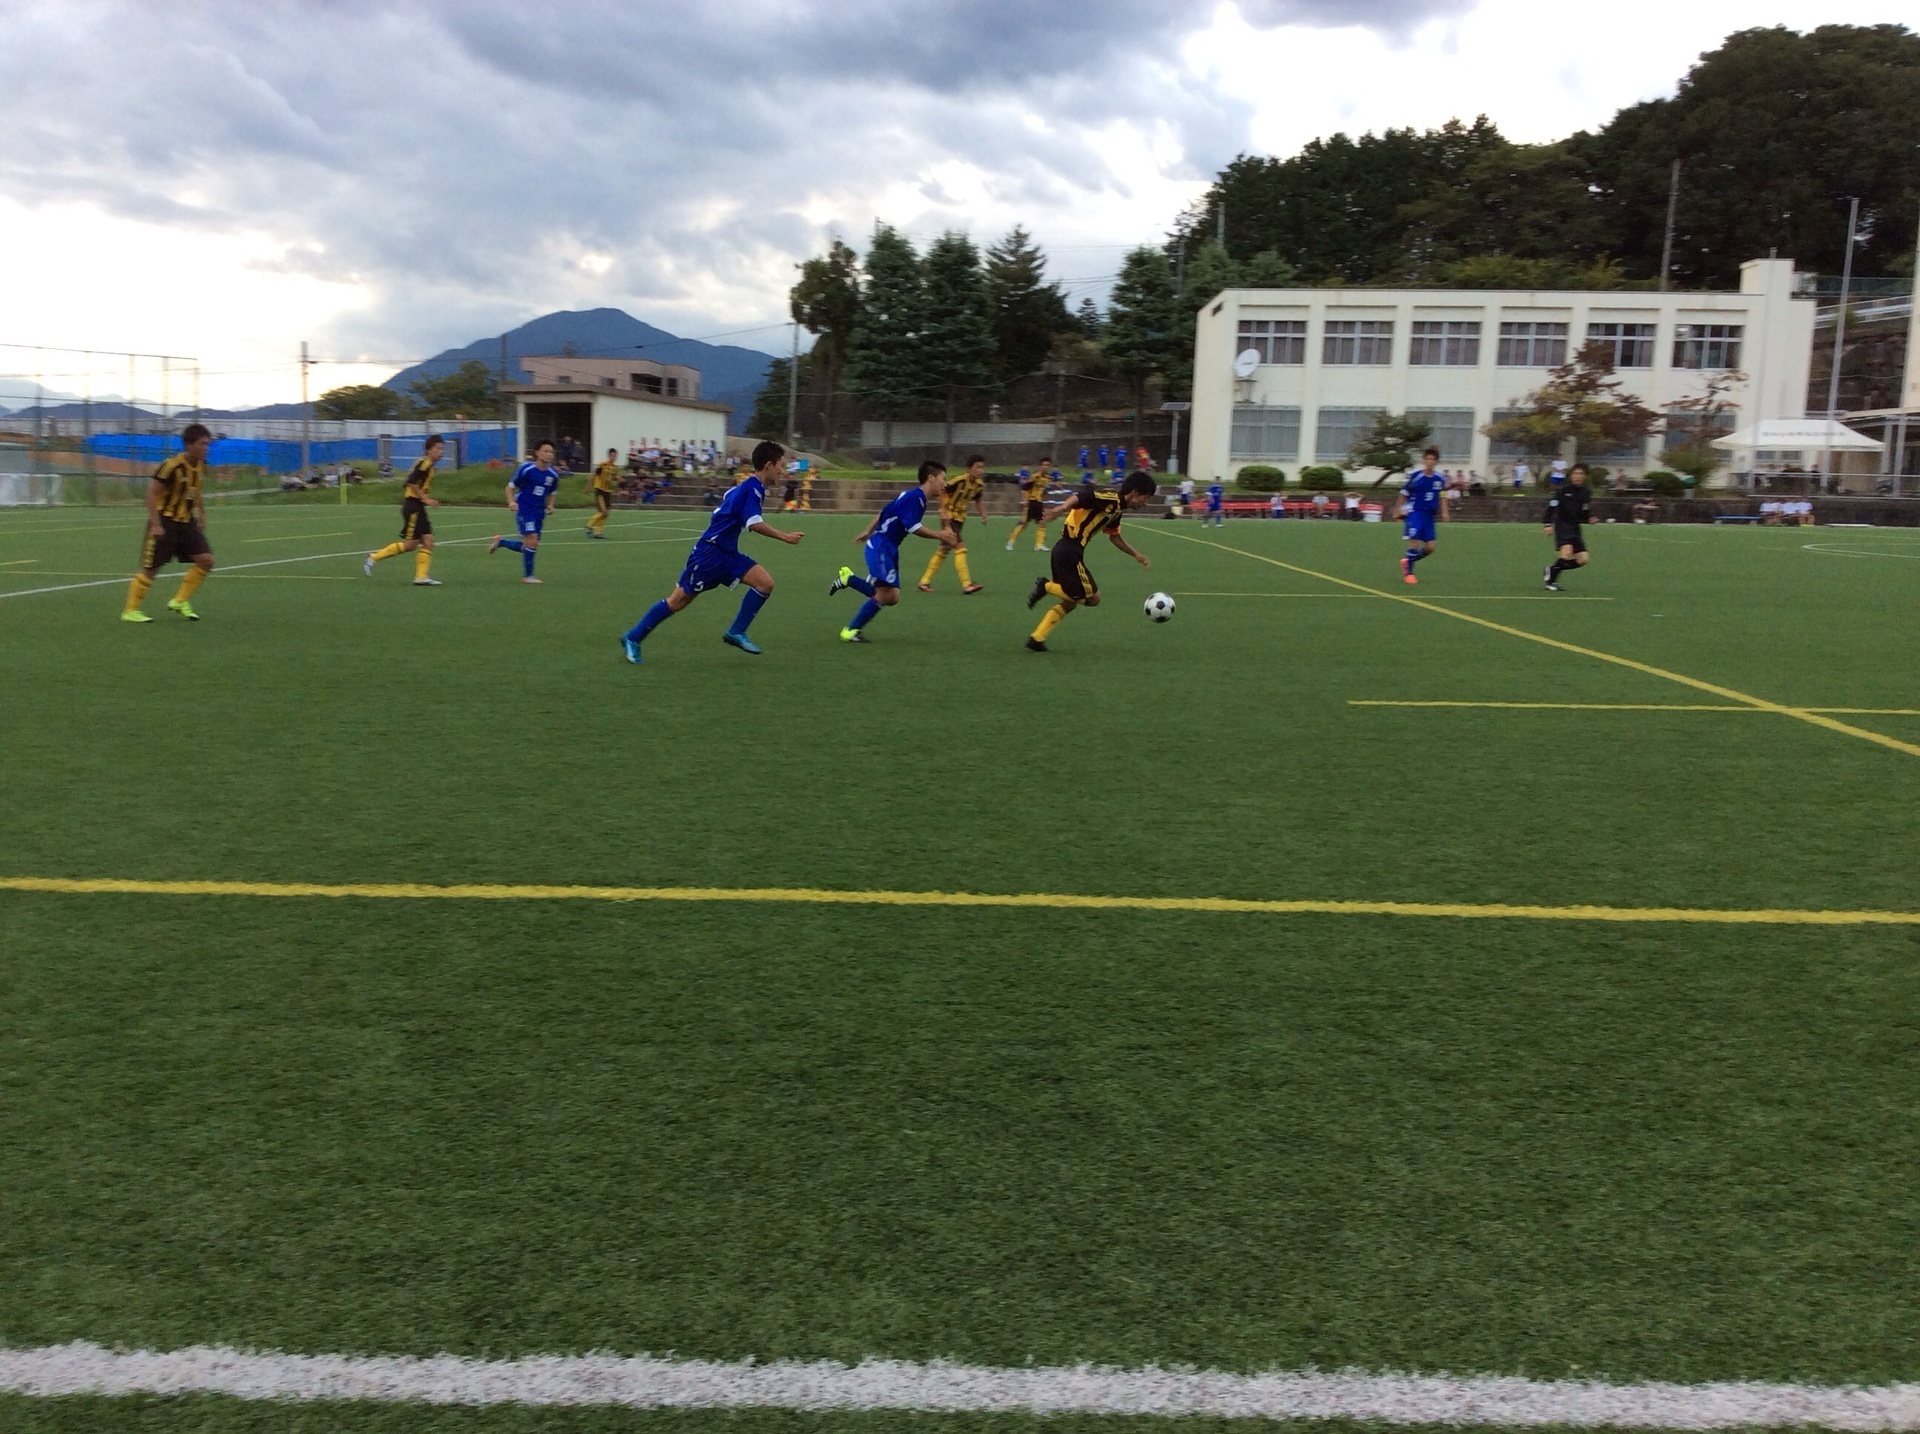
1142 317
1027 312
1581 403
956 338
1693 424
360 400
1087 317
1211 270
1393 445
770 404
825 301
468 390
883 356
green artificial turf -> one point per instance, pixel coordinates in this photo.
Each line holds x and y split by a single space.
1000 1136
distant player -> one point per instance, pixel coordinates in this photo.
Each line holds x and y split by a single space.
606 483
1216 506
881 541
1089 512
1567 509
961 491
1086 458
1035 493
176 527
530 493
416 528
717 562
1422 500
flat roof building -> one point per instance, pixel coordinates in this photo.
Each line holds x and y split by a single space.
602 418
627 375
1329 361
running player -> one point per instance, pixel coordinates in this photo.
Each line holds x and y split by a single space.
1089 512
176 527
530 493
1567 509
881 540
1422 497
1035 490
717 562
961 491
606 482
1216 506
416 528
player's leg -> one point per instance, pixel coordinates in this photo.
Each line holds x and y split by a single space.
182 602
423 562
1020 528
1073 585
759 584
672 603
529 548
154 552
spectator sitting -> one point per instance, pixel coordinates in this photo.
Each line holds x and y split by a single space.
1770 513
1320 501
1277 506
1645 511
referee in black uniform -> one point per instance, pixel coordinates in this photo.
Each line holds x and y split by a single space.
1567 509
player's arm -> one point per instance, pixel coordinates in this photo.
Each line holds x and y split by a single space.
758 524
1113 536
944 536
155 491
980 504
867 532
510 493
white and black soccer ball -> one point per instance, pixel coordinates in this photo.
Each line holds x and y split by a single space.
1159 608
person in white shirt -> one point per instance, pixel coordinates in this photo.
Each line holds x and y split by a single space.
1522 475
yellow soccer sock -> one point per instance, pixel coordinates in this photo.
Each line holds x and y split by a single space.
597 522
392 550
1057 590
1049 620
1040 537
933 565
190 584
960 566
137 591
422 560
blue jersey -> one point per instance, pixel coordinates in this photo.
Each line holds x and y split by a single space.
531 486
737 512
1423 491
1086 458
902 516
1216 494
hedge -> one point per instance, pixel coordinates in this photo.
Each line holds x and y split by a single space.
1323 476
1261 478
1667 485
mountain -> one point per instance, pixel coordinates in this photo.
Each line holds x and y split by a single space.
108 411
728 374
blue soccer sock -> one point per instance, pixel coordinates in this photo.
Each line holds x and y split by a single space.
526 560
512 545
655 615
1414 555
861 585
750 606
869 610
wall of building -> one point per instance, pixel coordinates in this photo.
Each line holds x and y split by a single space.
624 375
620 421
1332 402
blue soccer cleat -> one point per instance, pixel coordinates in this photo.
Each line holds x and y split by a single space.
632 649
739 640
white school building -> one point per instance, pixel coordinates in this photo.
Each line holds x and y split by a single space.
1329 361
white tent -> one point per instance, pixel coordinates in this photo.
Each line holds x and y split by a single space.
1804 435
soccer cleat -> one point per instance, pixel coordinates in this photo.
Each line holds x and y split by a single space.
530 580
739 640
367 566
852 634
632 650
184 608
840 583
1039 591
426 582
1034 644
1406 567
1009 544
1553 587
1411 579
970 589
133 614
494 546
1043 547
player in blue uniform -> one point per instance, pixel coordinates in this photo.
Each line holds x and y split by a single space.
1216 505
882 539
1105 467
1422 501
530 493
717 562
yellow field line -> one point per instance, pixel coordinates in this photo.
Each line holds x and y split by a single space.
1055 901
1800 714
1638 707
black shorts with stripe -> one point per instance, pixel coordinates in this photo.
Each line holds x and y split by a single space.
414 522
175 542
1035 511
1070 570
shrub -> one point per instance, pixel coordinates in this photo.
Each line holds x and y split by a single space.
1261 478
1667 485
1323 477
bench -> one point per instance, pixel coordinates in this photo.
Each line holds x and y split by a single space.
1736 517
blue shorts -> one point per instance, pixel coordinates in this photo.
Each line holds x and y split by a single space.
711 567
883 562
530 524
1419 528
1212 507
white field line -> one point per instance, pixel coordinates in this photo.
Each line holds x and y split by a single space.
645 1382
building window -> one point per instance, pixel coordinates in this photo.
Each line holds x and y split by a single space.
1628 345
1358 341
1452 431
673 388
1340 429
1706 346
647 382
608 383
1451 343
1276 340
1531 345
1266 432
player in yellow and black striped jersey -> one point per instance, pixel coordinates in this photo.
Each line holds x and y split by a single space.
1089 513
604 484
176 526
416 528
1035 491
961 491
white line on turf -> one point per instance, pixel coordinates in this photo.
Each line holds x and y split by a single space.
649 1383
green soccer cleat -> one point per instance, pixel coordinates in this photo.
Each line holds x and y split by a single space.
739 640
841 583
184 608
133 614
1039 591
852 634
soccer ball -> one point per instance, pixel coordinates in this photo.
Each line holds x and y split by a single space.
1159 608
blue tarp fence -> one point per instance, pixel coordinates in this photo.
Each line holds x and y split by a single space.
478 445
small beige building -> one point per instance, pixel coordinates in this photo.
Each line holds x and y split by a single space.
626 375
602 418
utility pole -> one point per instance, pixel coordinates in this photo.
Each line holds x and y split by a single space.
793 391
1840 334
1059 371
1910 380
306 422
1673 205
500 399
1220 223
86 422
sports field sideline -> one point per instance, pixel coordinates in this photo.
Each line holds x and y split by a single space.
1192 995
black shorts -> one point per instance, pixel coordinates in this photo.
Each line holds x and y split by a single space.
959 526
414 522
176 542
1035 511
1569 538
602 502
1070 571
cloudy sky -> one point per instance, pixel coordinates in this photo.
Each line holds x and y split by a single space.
224 179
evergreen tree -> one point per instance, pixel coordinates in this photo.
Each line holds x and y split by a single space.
769 418
883 354
360 400
1087 316
825 301
1141 320
469 389
956 343
1027 312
